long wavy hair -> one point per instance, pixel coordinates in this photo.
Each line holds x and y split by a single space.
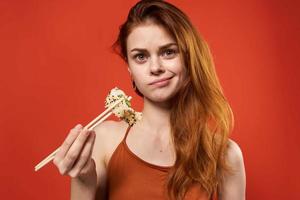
201 117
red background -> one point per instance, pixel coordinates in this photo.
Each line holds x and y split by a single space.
57 67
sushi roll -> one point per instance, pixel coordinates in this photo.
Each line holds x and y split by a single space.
122 110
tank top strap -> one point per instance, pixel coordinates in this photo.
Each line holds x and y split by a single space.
126 134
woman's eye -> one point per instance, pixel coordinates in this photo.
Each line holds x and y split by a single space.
169 53
140 57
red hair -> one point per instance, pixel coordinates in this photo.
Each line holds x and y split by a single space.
201 117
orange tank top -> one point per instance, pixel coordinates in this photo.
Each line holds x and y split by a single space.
130 177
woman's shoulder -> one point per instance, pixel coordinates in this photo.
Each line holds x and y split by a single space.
109 131
234 185
108 135
234 153
109 128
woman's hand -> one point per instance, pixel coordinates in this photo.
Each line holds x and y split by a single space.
74 157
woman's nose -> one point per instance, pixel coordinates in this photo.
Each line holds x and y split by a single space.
156 66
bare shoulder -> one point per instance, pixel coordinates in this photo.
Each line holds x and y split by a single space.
108 129
234 154
108 135
233 186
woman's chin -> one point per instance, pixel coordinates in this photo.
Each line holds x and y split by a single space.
160 95
161 98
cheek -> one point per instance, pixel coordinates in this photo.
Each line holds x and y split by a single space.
180 70
136 73
175 65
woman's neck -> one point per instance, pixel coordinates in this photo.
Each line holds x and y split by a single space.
156 117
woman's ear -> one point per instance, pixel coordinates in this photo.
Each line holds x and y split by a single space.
129 70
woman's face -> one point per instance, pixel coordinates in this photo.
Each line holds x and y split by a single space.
154 62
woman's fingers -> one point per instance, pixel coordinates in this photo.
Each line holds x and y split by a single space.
90 164
84 157
73 134
88 173
73 153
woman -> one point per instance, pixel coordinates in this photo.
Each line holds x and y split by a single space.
180 148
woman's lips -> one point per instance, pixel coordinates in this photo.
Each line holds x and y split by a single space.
161 82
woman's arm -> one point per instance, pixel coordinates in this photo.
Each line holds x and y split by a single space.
94 187
74 159
108 136
84 187
234 185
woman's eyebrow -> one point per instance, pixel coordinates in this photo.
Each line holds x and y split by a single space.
160 47
167 45
138 49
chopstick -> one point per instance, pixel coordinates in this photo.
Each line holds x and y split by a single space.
99 119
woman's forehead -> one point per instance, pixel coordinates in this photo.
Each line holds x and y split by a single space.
148 34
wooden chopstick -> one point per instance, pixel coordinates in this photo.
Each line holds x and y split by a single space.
52 155
99 119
